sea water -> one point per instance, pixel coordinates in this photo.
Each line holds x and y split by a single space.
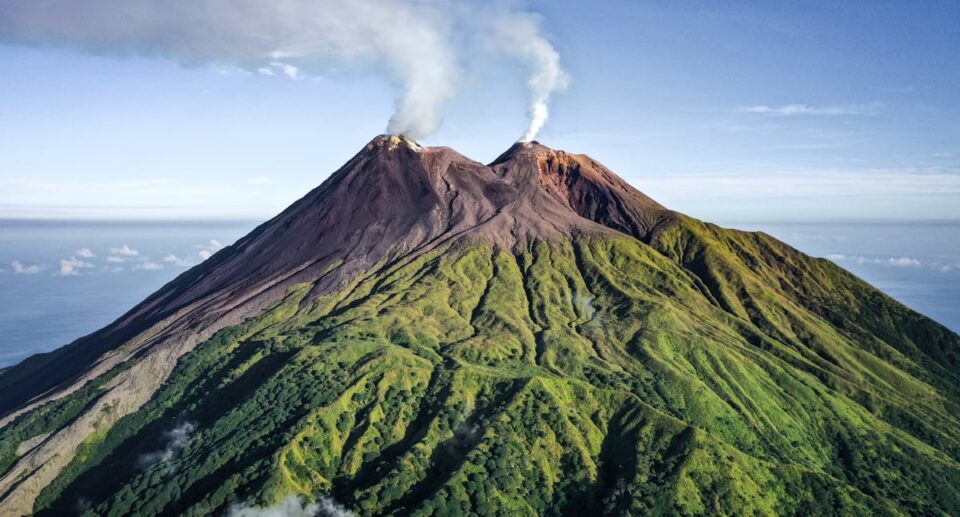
63 280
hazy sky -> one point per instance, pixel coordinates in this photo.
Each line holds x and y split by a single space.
728 111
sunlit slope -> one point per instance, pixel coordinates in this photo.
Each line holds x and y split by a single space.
591 373
423 334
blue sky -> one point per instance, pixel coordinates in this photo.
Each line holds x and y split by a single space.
729 111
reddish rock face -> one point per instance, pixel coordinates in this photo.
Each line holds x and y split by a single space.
587 187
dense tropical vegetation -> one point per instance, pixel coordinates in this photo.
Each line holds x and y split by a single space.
588 375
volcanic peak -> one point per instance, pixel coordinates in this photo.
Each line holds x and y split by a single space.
356 345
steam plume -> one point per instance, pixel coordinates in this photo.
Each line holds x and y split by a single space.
420 44
520 36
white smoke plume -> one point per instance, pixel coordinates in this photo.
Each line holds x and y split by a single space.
420 44
293 506
519 35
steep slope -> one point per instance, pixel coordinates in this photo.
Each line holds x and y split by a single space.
750 275
391 198
584 185
391 202
423 334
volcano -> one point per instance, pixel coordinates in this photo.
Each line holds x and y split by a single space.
423 334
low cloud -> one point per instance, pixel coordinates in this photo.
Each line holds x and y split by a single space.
207 250
147 266
72 266
125 251
903 262
293 506
279 67
84 253
24 269
331 508
788 110
176 439
877 261
177 261
895 262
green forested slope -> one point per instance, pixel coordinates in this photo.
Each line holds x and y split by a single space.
708 372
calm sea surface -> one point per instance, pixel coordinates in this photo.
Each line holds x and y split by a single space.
62 280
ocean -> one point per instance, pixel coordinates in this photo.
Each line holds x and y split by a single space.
62 280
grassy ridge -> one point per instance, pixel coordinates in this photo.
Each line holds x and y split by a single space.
710 372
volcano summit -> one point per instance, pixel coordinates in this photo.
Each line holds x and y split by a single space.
423 334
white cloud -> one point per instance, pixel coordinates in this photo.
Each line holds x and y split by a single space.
287 69
84 253
176 439
125 251
266 71
23 269
72 266
880 261
147 266
293 506
116 260
788 110
207 250
331 508
883 261
946 268
903 262
177 261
